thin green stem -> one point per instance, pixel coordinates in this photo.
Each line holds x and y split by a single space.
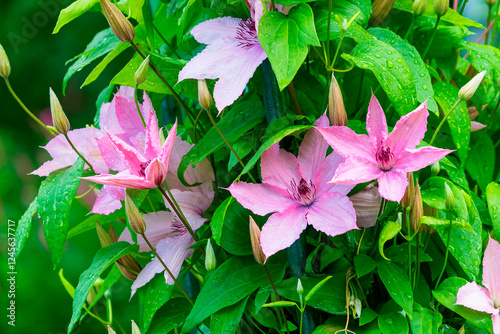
301 320
328 23
408 231
447 252
179 214
464 3
9 87
494 113
166 42
417 270
86 193
79 154
494 28
336 52
432 37
488 20
409 32
277 297
137 104
228 144
166 268
443 120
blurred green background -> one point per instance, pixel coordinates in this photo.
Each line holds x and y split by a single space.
38 62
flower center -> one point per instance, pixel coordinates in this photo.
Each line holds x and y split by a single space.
178 228
247 34
303 192
142 171
385 159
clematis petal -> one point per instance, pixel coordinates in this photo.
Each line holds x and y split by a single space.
155 172
491 270
392 185
192 206
122 179
168 146
108 200
413 160
349 144
147 273
408 131
329 167
260 198
367 205
376 124
475 297
312 151
354 171
153 145
129 124
332 213
208 32
279 168
109 154
158 226
131 158
282 229
495 318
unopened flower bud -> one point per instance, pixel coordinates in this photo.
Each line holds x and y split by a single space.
336 109
300 290
142 72
4 63
449 198
156 172
491 3
204 96
381 9
110 330
255 239
121 27
135 219
419 7
210 259
435 168
416 211
129 267
135 328
355 305
467 91
344 25
104 237
61 122
441 7
409 195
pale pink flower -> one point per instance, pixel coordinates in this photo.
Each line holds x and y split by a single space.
294 189
382 156
232 55
486 299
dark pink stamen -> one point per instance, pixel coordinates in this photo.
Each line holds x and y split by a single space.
385 158
247 34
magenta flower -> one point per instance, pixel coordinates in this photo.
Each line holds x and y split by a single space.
144 170
382 156
486 299
232 55
295 189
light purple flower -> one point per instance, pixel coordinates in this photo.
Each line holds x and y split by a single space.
382 156
486 299
295 189
232 55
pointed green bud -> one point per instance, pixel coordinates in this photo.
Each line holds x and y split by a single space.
204 97
258 254
4 63
381 9
61 122
435 168
121 27
491 3
409 195
300 290
441 7
142 72
135 219
135 328
210 259
449 199
104 237
336 109
110 330
467 91
417 211
419 7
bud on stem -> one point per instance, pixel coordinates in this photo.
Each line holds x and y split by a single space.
142 72
449 198
61 122
204 97
122 28
441 7
467 91
210 259
336 109
417 211
135 219
255 239
4 63
419 7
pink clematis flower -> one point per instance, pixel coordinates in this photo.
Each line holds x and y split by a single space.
144 170
486 299
382 156
295 189
232 55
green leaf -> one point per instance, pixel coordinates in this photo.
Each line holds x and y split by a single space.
421 76
265 316
168 67
170 316
284 303
315 288
292 2
392 323
481 160
156 294
285 40
493 199
367 315
55 197
391 71
113 276
67 285
96 72
441 222
73 11
425 321
226 321
104 258
355 30
459 121
24 227
364 265
446 294
390 230
102 43
484 57
229 283
397 283
270 142
240 119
